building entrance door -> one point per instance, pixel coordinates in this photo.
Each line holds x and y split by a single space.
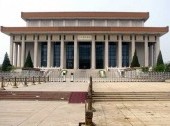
84 55
69 55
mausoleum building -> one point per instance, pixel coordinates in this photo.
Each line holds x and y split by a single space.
84 40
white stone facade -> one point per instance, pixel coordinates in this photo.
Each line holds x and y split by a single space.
146 49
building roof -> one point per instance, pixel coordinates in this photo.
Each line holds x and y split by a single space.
60 30
85 15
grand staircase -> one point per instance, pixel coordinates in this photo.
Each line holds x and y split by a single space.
130 96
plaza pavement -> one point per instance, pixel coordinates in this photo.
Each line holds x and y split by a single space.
52 86
40 113
97 86
57 113
141 113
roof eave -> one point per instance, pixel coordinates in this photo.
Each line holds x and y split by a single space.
25 17
22 30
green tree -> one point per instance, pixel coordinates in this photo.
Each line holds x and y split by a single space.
28 62
6 65
160 59
135 61
160 67
167 67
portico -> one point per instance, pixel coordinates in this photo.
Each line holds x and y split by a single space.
83 52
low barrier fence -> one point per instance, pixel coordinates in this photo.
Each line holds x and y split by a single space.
110 77
23 73
15 82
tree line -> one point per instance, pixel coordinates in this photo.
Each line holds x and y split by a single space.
7 66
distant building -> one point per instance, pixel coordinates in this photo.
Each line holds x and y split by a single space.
84 40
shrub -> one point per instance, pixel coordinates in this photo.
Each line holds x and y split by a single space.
6 65
28 62
160 59
135 61
160 68
145 69
167 67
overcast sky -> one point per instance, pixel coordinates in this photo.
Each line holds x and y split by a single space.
10 14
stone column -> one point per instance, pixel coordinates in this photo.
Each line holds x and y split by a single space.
15 54
106 52
35 51
49 52
93 59
19 56
11 50
146 50
120 51
154 54
157 48
75 52
132 47
151 50
62 53
22 51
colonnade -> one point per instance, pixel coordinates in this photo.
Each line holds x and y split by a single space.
17 52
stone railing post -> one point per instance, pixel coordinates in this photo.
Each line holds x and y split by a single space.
48 79
2 84
39 82
33 80
89 99
89 109
91 85
25 82
89 116
44 79
15 83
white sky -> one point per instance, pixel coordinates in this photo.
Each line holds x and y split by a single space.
10 14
